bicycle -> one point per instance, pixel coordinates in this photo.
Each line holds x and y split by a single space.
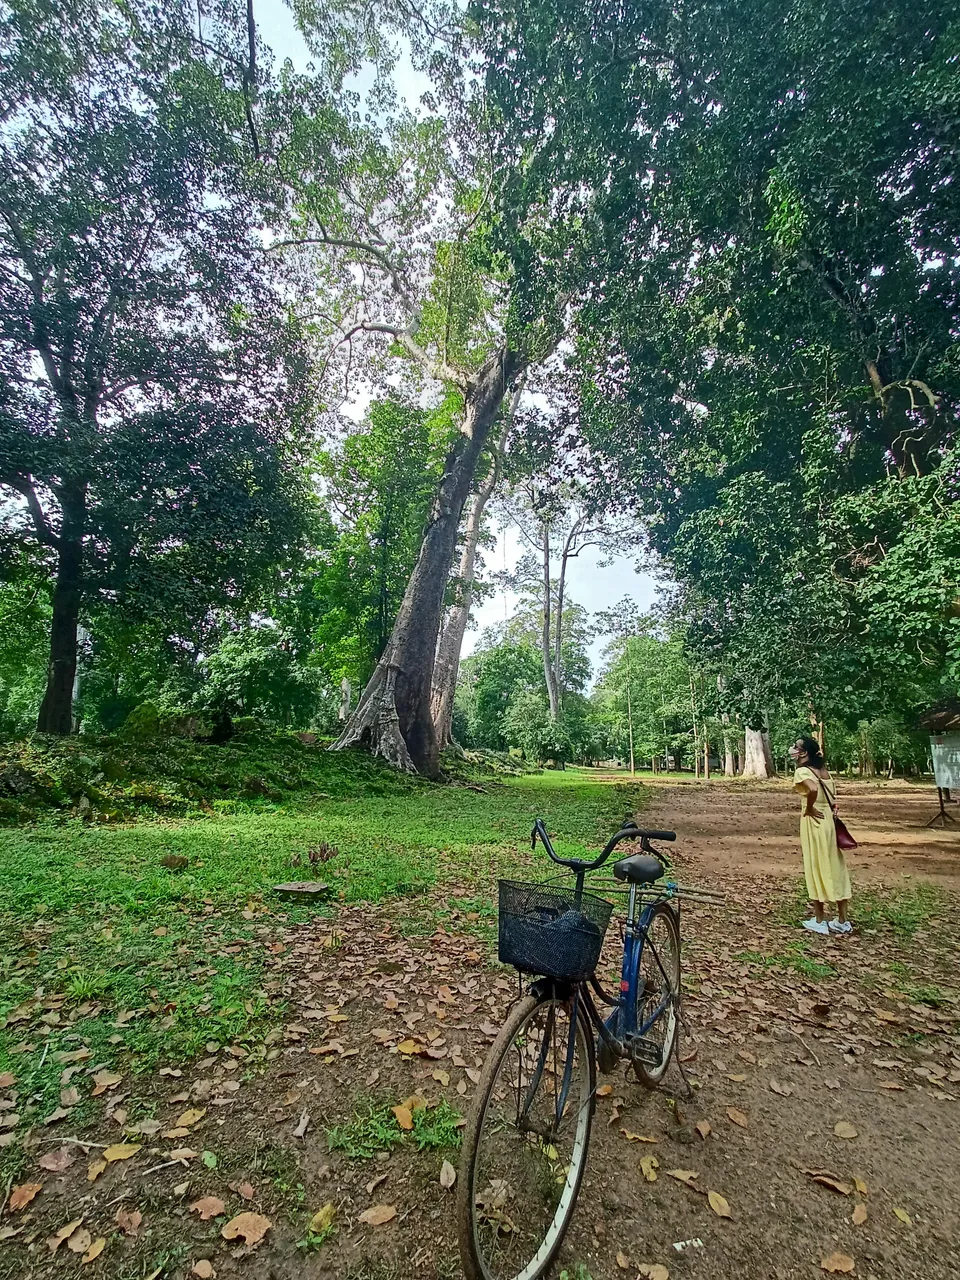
526 1139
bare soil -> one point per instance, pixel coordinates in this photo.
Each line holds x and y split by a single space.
788 1035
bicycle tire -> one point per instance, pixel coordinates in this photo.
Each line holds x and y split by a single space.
648 1076
475 1266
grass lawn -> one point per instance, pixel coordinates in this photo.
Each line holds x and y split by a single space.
114 961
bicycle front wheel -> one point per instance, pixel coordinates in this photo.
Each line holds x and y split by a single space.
526 1140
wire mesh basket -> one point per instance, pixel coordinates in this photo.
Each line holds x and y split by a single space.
544 931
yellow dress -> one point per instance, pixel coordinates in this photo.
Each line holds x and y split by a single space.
824 866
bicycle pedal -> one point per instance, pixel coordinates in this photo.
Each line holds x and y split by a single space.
642 1049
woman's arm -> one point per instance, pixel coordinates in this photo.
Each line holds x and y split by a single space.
809 790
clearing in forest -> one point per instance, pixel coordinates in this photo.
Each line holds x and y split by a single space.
199 1080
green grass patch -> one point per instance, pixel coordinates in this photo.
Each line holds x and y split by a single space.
137 943
374 1127
903 911
795 956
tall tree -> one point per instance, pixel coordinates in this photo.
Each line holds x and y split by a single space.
403 236
152 388
768 362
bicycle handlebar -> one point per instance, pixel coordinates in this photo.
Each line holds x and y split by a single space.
629 832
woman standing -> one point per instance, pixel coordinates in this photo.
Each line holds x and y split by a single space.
824 866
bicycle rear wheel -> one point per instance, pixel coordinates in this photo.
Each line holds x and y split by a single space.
525 1143
659 984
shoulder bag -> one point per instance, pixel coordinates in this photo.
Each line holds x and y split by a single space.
844 839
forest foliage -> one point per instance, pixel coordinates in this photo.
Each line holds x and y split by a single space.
279 349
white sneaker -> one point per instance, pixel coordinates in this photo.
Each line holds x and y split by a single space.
816 926
836 926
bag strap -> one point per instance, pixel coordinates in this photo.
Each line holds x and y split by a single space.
831 804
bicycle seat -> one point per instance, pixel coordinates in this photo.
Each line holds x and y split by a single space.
639 868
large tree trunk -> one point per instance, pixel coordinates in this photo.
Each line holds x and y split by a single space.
447 664
56 709
758 762
393 718
451 640
546 636
729 761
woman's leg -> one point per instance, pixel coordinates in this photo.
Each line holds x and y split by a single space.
842 910
818 910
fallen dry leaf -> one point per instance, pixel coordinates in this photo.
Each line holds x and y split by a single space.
70 1096
21 1196
203 1269
688 1176
903 1216
859 1215
104 1080
57 1161
737 1116
95 1169
844 1129
7 1078
379 1214
244 1190
637 1137
838 1263
95 1250
704 1128
324 1218
648 1167
623 1262
191 1117
605 1091
56 1240
208 1207
829 1180
121 1151
448 1175
718 1204
404 1118
252 1227
652 1271
861 1185
128 1220
79 1241
784 1090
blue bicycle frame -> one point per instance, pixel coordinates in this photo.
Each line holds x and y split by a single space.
622 1022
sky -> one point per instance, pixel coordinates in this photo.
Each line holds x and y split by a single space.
588 584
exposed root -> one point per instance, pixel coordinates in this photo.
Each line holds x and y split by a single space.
376 724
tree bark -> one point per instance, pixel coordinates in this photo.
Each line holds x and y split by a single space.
451 639
393 718
447 666
56 709
729 760
756 761
546 635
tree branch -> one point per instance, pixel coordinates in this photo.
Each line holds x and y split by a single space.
24 486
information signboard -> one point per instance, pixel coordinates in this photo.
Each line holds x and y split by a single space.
945 751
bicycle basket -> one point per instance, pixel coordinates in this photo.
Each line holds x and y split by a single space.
543 931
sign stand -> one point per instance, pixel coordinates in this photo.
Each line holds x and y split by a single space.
945 755
942 817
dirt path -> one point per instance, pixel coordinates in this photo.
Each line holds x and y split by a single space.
790 1035
734 829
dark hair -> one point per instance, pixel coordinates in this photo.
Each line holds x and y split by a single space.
812 747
